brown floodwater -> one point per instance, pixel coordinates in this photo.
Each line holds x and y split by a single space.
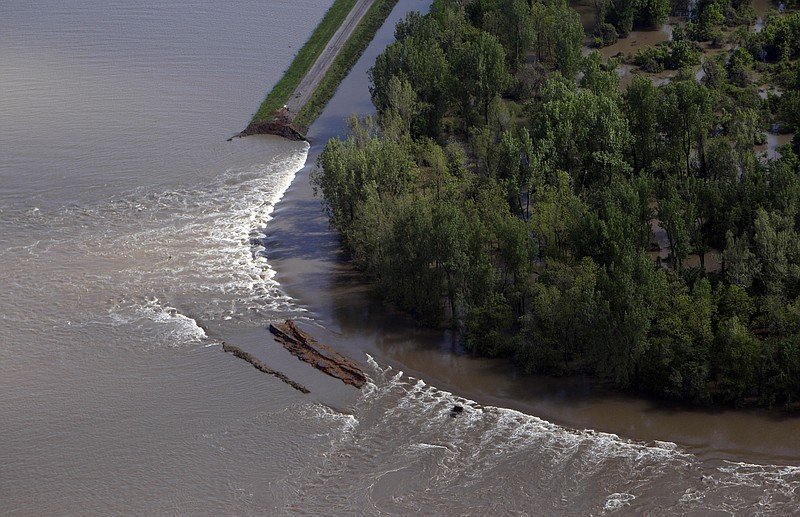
359 319
753 450
770 149
136 240
624 47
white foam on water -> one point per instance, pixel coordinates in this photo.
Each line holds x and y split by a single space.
202 248
738 488
345 423
521 427
777 486
406 425
157 325
617 501
158 268
409 452
186 329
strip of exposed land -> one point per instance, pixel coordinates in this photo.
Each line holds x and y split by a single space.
289 116
260 365
314 76
318 355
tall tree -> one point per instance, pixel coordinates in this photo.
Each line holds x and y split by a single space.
557 36
587 133
741 264
512 25
641 108
686 118
776 246
419 59
674 215
481 72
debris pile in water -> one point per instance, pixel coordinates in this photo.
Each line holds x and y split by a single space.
321 357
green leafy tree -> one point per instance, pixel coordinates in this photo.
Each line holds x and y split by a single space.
601 79
618 222
555 208
581 132
686 118
401 104
364 164
418 58
739 65
642 103
620 13
743 130
652 13
741 264
733 301
678 361
568 309
490 327
710 17
557 36
780 380
737 359
481 72
515 30
674 215
567 40
700 198
682 54
776 245
636 291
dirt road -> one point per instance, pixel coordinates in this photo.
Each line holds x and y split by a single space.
312 79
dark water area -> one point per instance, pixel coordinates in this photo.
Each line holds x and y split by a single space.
136 240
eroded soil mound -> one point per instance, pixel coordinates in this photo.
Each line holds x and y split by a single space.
318 355
279 124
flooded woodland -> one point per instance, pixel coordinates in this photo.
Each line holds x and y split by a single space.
135 250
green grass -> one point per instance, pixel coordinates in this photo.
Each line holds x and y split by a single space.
304 59
344 61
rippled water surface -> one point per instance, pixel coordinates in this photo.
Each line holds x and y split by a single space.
130 235
136 239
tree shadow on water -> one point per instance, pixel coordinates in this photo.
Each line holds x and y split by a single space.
301 233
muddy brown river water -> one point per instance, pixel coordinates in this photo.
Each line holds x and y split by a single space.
135 240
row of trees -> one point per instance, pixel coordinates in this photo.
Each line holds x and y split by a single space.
527 220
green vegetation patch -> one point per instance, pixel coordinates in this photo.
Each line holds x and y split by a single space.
526 220
345 61
305 59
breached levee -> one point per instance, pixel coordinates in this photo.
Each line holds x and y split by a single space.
320 356
260 365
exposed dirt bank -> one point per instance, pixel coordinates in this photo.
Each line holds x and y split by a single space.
321 357
280 124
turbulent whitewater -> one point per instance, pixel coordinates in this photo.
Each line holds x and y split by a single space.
398 450
135 240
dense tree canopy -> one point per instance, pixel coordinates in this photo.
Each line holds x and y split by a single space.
634 234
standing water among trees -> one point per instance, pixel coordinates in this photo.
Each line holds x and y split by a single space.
509 188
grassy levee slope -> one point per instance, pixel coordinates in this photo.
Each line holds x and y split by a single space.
344 61
304 59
